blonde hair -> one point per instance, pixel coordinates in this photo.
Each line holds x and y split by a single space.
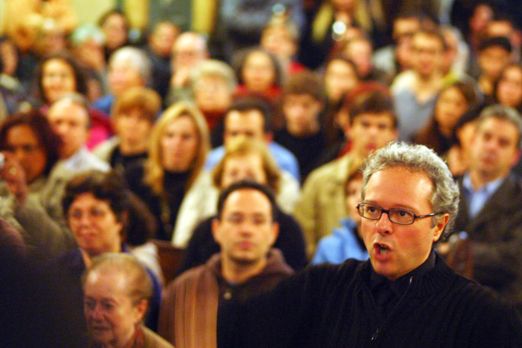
243 146
154 171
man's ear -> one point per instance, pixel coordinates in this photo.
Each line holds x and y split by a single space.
275 233
516 157
440 224
216 223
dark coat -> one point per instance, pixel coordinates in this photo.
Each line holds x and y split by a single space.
496 233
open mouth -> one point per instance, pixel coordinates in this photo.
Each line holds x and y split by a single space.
381 248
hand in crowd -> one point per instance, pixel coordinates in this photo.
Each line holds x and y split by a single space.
14 176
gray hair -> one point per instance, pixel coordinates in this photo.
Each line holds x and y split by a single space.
135 56
214 68
139 284
418 158
502 113
75 99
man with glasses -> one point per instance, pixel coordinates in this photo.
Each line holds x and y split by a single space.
404 296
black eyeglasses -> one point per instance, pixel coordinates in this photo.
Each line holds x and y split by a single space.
399 216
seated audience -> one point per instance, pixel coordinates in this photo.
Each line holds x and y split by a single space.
452 102
507 90
494 54
189 50
247 159
128 67
458 154
339 78
250 117
490 201
159 49
172 181
345 242
281 38
302 134
117 292
258 73
372 125
69 118
133 117
115 27
415 90
245 228
97 207
33 182
58 75
213 85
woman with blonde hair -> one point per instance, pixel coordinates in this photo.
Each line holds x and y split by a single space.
173 182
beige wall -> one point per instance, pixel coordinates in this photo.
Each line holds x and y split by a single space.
89 11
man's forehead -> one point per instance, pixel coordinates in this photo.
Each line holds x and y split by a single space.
68 109
493 123
411 180
247 117
385 117
235 201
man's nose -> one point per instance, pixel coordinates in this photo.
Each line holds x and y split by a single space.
384 225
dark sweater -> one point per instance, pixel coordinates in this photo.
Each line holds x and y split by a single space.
332 306
290 241
164 208
308 150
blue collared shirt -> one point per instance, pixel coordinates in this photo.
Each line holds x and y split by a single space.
477 199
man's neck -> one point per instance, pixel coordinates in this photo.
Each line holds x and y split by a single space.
237 273
427 86
129 148
479 180
69 154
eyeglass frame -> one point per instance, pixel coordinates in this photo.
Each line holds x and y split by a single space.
387 211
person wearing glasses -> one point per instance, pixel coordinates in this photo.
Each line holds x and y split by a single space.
404 296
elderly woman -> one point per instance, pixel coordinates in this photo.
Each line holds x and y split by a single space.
117 291
172 182
97 206
247 159
32 182
128 67
213 84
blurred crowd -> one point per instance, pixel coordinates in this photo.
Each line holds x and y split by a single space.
123 134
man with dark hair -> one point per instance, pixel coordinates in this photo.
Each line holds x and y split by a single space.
415 90
494 53
490 202
302 103
403 296
250 117
372 124
245 228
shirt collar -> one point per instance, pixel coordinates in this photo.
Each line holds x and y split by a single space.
488 188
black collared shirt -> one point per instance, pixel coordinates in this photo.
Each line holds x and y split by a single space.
388 292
